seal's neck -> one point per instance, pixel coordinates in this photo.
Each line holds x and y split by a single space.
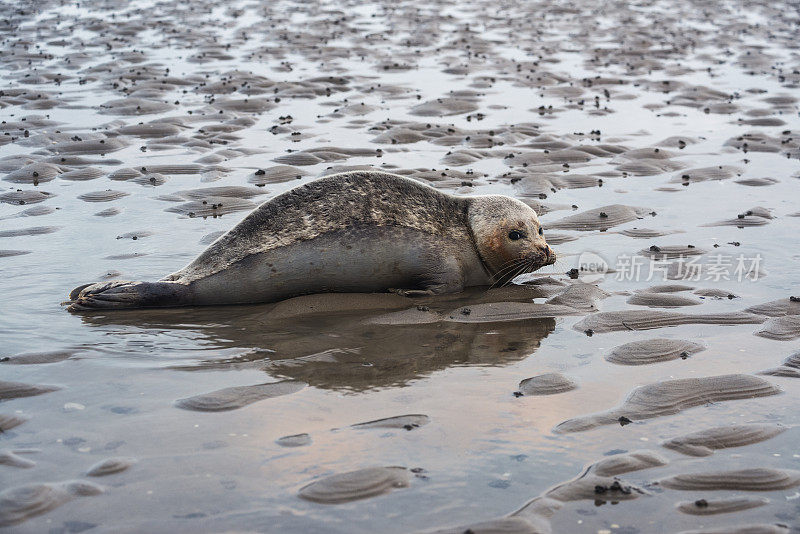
476 226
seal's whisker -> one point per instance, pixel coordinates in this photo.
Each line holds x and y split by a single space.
522 269
500 281
531 267
508 266
500 276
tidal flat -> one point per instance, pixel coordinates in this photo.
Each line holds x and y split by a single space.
645 383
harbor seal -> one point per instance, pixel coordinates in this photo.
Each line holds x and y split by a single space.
362 231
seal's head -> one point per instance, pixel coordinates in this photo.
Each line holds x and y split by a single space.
508 236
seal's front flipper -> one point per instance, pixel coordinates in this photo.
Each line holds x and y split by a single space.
120 294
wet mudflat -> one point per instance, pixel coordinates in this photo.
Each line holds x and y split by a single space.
661 140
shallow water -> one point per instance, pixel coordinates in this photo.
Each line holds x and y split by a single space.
581 97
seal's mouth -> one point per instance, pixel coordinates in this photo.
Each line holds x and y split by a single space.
527 264
551 257
540 258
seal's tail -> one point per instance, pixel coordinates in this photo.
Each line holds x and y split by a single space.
120 294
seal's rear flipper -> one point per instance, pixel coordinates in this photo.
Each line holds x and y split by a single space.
119 294
73 295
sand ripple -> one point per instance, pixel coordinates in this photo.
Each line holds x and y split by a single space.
653 351
547 384
705 442
627 462
356 485
724 505
110 466
777 308
599 218
9 421
761 528
790 367
15 390
23 502
13 458
781 328
673 396
406 422
238 396
650 319
295 440
754 479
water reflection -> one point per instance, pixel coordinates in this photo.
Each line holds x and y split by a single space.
328 342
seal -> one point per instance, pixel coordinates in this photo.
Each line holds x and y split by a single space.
362 231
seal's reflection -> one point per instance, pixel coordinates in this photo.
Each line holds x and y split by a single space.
328 342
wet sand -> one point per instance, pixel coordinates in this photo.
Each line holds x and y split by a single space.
655 396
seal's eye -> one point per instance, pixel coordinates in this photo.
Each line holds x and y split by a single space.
514 235
541 232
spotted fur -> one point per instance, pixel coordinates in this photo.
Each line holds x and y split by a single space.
330 204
